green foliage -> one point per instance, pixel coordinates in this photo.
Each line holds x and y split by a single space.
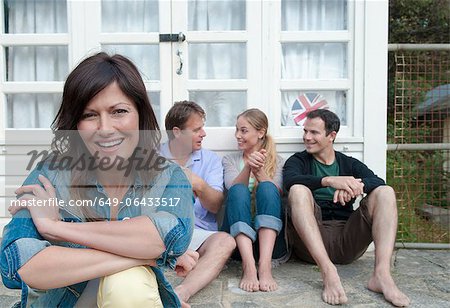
416 22
417 176
419 21
417 166
418 179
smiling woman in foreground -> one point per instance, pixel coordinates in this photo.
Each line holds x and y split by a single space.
131 218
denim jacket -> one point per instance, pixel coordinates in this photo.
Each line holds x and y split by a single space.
173 219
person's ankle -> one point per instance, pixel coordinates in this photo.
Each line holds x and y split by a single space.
382 273
265 264
249 265
328 268
182 293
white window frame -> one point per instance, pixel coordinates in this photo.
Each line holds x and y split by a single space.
96 38
352 131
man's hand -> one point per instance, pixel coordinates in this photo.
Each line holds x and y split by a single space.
45 210
341 196
195 180
186 262
354 187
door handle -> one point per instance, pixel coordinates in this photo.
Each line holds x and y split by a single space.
180 56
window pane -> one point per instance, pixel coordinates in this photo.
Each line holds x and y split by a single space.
313 15
145 57
296 104
217 61
156 105
36 63
314 61
130 16
221 107
32 110
219 15
35 16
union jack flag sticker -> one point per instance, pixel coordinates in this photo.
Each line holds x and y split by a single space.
305 103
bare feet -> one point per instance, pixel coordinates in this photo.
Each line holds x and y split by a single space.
249 281
333 292
183 296
266 281
386 285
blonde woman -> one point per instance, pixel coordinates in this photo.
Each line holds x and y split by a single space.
253 178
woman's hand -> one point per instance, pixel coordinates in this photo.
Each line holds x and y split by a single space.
42 204
257 160
186 262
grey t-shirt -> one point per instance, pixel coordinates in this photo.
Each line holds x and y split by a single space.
232 166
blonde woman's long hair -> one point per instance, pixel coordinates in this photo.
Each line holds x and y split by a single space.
259 121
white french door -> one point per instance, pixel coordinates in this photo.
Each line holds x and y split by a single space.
221 55
186 50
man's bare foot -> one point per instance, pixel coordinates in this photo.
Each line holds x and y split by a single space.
385 284
266 281
333 291
249 281
183 296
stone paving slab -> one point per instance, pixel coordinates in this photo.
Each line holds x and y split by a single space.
424 275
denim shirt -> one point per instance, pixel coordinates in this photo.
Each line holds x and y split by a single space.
173 218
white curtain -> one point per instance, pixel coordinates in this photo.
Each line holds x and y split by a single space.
313 61
216 15
221 107
206 60
313 15
130 16
218 60
50 63
34 63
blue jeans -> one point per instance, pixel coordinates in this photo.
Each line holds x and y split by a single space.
269 213
21 239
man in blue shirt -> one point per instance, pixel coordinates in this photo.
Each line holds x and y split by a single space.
323 185
185 128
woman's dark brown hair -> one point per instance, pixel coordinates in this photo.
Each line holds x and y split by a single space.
91 76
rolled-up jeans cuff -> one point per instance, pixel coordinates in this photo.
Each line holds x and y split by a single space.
268 221
242 227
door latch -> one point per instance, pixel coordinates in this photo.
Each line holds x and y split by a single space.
172 37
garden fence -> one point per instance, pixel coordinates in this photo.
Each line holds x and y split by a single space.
418 158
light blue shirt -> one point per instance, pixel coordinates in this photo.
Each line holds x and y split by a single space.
207 165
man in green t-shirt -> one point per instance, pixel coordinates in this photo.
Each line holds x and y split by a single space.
324 229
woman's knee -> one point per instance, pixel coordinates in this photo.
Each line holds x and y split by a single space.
238 198
135 287
238 190
268 199
267 189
